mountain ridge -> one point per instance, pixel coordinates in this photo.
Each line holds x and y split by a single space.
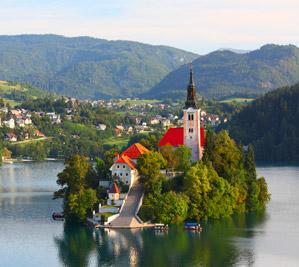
87 67
223 74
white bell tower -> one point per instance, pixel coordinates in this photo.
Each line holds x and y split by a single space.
192 121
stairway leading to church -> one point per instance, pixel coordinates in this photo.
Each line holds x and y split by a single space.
126 218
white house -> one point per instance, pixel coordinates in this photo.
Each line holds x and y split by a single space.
125 165
10 123
125 170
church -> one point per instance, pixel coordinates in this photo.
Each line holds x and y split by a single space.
192 133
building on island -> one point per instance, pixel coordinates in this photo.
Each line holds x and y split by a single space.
114 192
125 164
191 134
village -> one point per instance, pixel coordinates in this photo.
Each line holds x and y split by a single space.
145 117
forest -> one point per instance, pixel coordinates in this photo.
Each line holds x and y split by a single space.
271 125
223 183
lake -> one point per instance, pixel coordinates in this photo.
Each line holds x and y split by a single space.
29 237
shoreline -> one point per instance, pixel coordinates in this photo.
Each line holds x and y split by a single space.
14 160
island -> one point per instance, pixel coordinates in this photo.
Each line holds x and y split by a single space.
191 174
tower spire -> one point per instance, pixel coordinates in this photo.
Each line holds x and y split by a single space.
191 91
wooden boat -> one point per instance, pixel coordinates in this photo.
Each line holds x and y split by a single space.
58 216
161 227
193 226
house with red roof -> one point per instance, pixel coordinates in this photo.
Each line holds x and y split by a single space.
113 192
125 165
192 133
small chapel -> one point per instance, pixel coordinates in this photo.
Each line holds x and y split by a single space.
192 132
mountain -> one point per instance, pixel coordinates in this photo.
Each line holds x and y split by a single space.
271 124
237 51
224 74
86 67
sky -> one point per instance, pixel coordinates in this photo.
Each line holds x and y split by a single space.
200 26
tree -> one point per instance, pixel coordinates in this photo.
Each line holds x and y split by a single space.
226 157
210 195
169 155
257 190
149 168
166 208
78 197
183 155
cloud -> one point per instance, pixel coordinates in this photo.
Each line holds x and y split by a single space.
198 25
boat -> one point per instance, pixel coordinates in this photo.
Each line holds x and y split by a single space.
193 226
58 216
160 226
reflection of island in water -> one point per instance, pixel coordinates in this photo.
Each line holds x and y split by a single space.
215 246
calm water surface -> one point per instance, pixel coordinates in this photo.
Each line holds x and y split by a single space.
28 236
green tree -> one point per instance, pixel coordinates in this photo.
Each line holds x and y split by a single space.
149 168
166 208
183 155
257 189
226 157
78 198
168 153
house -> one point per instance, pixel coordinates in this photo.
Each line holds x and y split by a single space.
125 165
101 127
38 133
114 192
27 121
124 169
10 123
118 130
154 121
10 137
20 122
16 112
191 134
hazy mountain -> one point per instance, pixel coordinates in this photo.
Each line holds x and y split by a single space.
87 67
237 51
271 124
224 73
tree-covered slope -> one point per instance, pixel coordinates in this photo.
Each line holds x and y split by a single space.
224 73
87 67
13 92
271 123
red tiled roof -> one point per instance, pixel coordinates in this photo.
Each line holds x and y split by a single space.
126 160
135 151
114 189
173 137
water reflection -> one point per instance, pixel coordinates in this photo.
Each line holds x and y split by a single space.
220 244
76 246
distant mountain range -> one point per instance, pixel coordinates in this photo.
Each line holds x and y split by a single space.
87 67
224 74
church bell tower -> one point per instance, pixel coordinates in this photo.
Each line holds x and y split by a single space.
192 121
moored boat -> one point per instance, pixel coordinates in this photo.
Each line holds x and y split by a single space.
160 227
193 226
58 216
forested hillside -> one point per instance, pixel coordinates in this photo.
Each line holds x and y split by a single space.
224 74
271 123
14 93
87 67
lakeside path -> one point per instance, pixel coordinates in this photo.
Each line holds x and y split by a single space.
127 218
